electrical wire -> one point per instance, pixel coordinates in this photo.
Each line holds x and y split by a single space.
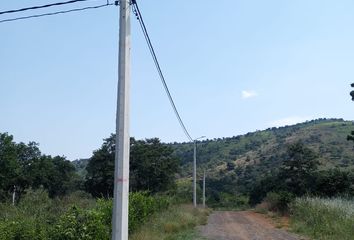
55 13
42 6
137 13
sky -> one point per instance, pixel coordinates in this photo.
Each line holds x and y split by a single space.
232 66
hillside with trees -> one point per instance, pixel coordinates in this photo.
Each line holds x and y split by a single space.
264 150
252 163
239 165
56 198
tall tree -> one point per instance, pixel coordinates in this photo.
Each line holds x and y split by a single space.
26 155
100 170
152 167
9 166
22 166
55 174
297 170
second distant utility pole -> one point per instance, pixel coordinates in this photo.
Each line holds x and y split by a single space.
195 172
204 189
121 164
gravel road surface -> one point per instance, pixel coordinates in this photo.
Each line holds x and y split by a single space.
243 225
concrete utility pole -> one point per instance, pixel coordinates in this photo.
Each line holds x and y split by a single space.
195 175
121 167
204 189
14 196
195 172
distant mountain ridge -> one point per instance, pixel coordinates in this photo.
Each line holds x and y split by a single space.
264 150
258 153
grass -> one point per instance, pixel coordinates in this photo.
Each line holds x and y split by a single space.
175 223
279 220
323 219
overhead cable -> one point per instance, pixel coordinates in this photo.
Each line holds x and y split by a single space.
137 13
42 6
55 13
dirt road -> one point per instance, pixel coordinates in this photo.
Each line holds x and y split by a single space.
245 225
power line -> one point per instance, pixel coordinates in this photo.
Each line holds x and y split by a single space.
55 13
42 6
153 54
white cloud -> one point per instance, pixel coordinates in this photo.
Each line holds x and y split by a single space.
289 121
248 94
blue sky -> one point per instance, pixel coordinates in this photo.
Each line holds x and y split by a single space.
232 66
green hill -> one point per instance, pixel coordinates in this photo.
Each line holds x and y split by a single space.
243 159
263 150
235 164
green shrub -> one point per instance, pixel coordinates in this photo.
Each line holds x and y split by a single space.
231 201
279 201
80 224
37 217
24 229
95 223
141 206
183 191
29 220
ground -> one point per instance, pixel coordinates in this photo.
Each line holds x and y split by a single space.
243 225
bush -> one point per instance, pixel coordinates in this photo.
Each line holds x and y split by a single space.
26 221
279 201
231 201
95 223
24 229
80 224
141 206
37 217
183 192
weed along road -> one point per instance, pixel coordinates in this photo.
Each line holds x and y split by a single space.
243 225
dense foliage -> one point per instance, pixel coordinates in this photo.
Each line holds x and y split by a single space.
76 217
152 167
298 175
22 166
276 166
312 157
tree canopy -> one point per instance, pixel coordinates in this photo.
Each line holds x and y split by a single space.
22 166
152 167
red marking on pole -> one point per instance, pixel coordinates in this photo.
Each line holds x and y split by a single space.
121 180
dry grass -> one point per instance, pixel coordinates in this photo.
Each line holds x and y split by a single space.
324 219
177 222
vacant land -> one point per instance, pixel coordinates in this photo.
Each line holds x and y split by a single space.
243 225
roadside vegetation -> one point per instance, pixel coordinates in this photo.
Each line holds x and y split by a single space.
176 222
76 216
323 219
44 197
